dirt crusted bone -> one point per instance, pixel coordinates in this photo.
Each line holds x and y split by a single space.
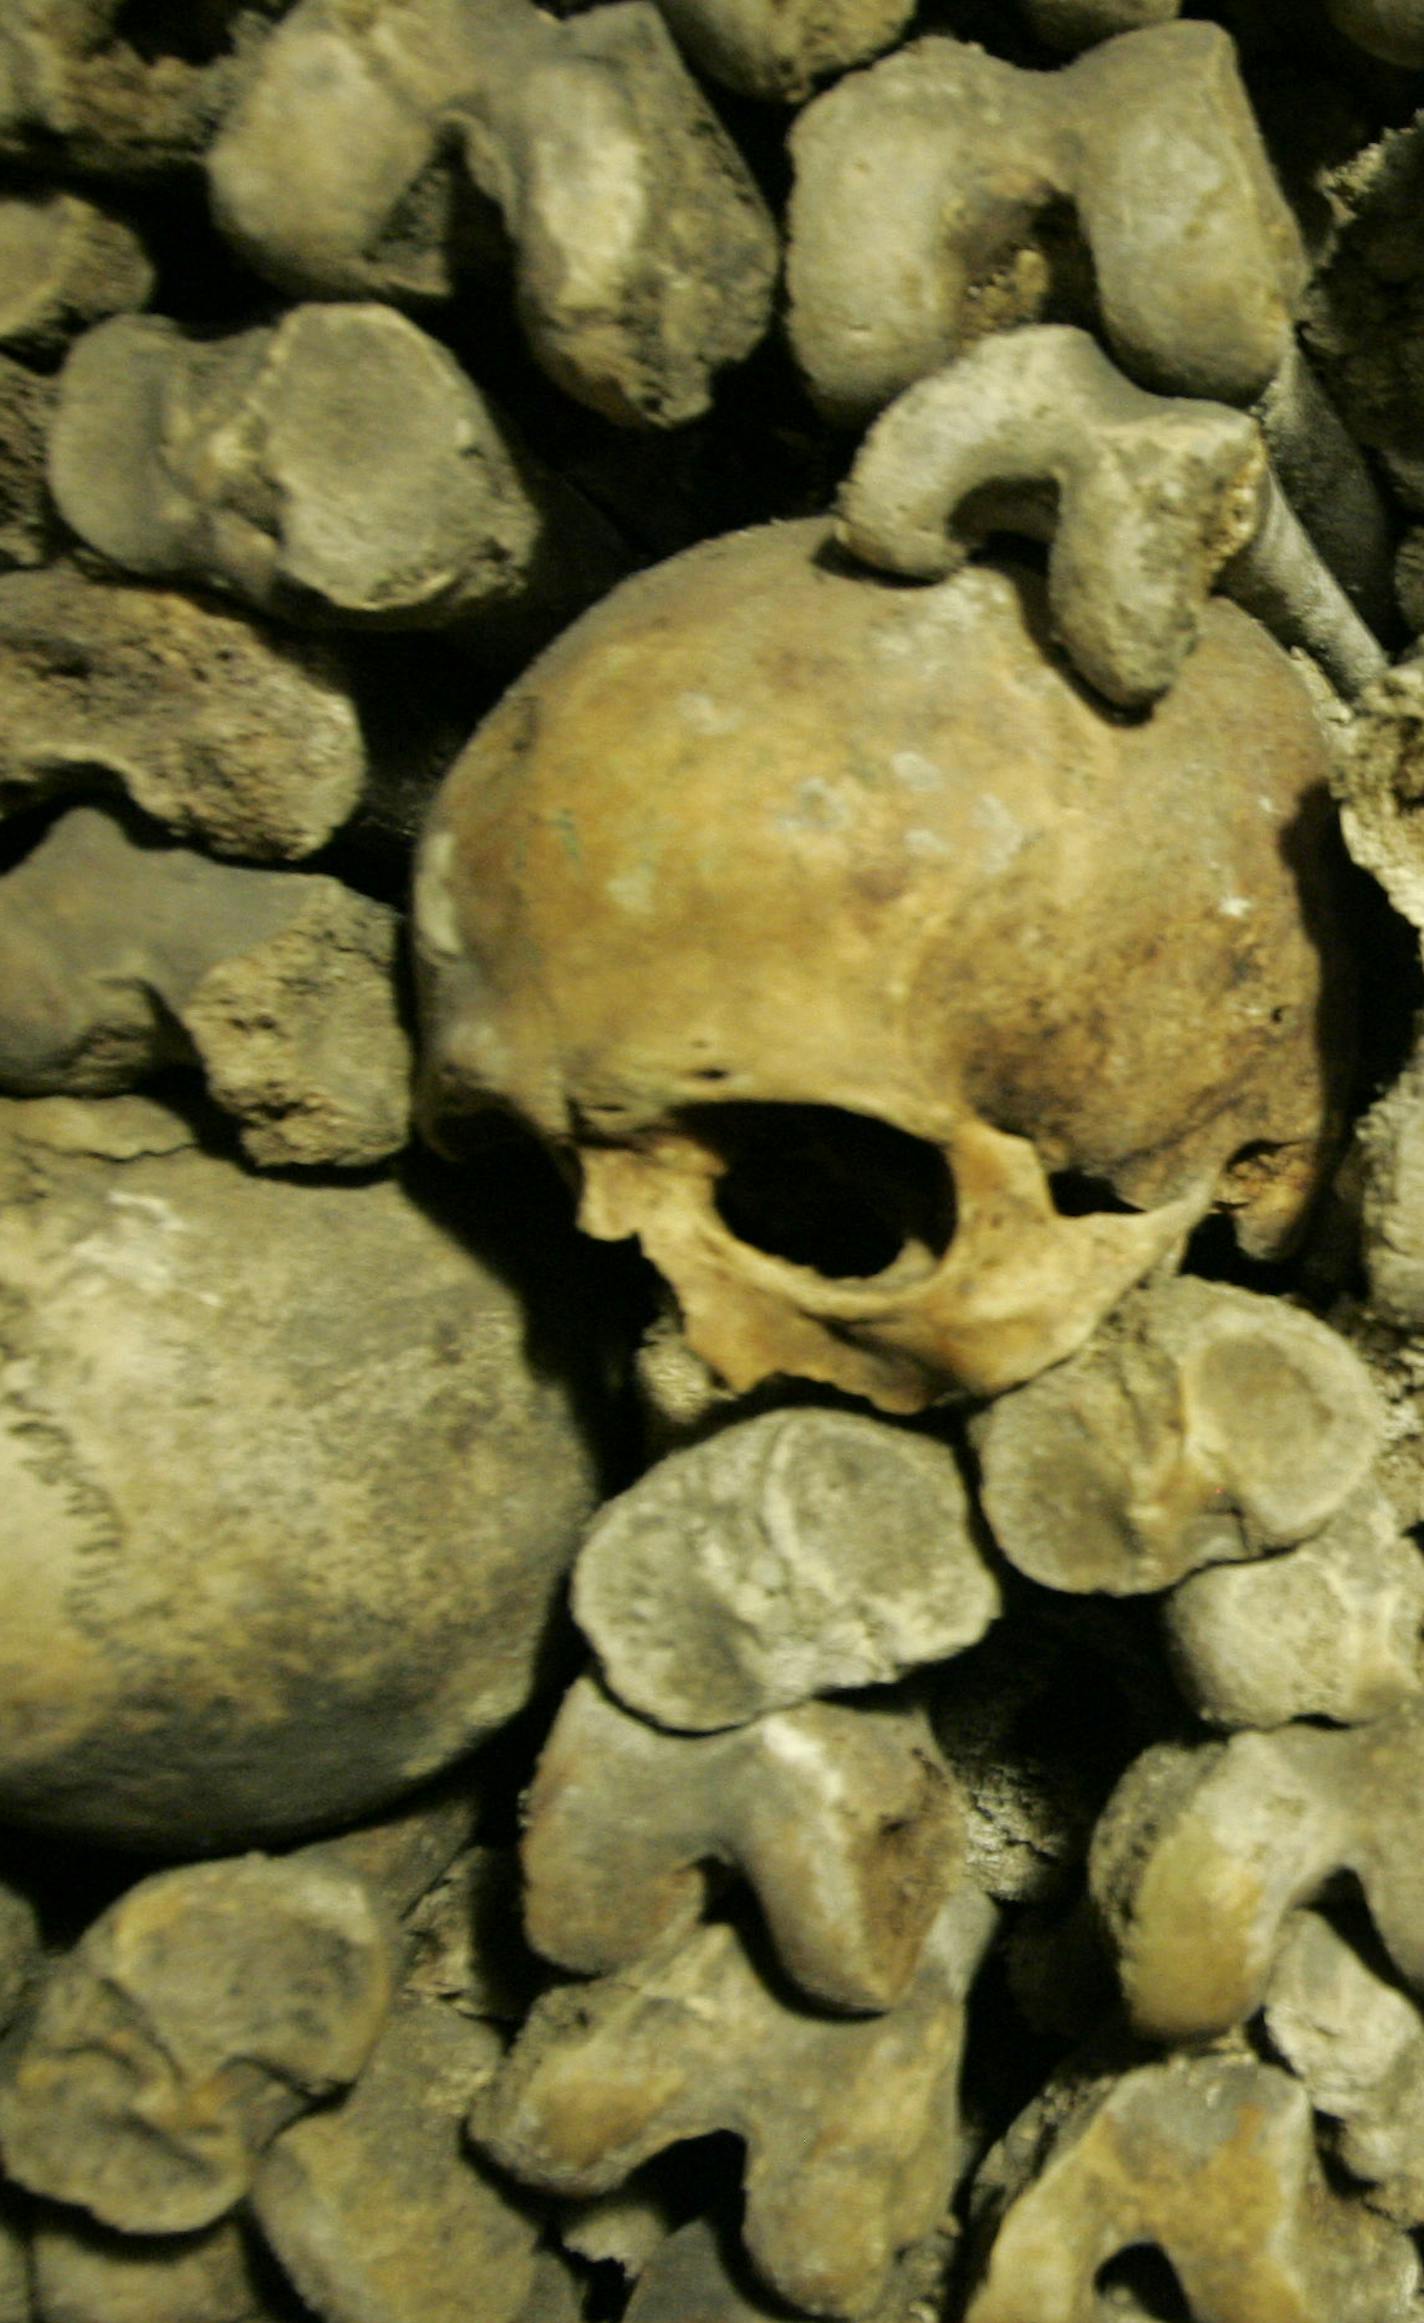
336 469
1149 502
227 733
899 1163
644 256
119 957
851 2125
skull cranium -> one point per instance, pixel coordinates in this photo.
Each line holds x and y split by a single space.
905 1001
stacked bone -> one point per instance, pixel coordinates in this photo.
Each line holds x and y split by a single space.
966 1860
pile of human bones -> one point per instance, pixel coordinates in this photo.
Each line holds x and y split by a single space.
776 1668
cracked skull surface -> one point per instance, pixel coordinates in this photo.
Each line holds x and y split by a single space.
906 1002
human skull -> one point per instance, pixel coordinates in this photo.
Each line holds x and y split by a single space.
906 1002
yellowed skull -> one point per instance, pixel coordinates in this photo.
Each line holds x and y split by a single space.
906 1002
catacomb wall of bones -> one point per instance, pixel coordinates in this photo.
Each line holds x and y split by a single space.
711 1161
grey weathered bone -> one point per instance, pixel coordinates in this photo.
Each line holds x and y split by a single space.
1201 1854
305 1452
64 263
84 2273
852 2129
1209 2161
1203 1424
376 2209
845 1819
1329 1630
197 2017
1357 2043
1153 502
920 184
212 724
118 957
796 1554
338 467
644 257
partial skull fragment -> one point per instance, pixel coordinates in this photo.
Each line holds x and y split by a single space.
1204 1424
1207 2164
336 469
921 184
119 957
244 741
852 2127
225 1390
922 1150
198 2016
645 258
801 1553
844 1818
1201 1854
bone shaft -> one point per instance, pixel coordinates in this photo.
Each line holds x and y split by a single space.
1280 579
1330 487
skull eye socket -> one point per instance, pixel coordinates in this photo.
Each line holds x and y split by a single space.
827 1189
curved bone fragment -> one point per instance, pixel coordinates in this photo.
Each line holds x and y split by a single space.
644 257
117 958
209 722
1154 502
1208 2161
1203 1424
338 468
1196 289
375 2208
197 2017
852 2126
845 1820
1329 1630
64 263
796 1554
1201 1853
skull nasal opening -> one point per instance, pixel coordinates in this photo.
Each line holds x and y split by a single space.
826 1188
